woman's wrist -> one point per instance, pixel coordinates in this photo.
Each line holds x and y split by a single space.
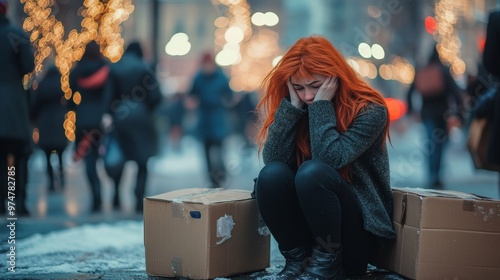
297 104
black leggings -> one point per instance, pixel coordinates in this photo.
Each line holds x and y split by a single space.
315 207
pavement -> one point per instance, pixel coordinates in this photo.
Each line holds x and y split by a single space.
63 240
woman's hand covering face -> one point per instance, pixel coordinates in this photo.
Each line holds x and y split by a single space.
307 90
327 90
294 96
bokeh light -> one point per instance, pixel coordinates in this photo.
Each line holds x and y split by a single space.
249 55
365 50
101 23
178 45
449 43
377 51
397 108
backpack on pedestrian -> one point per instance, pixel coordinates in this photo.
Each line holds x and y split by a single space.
429 80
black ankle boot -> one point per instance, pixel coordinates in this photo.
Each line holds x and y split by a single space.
324 266
296 261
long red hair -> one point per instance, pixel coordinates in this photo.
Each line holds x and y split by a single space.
309 56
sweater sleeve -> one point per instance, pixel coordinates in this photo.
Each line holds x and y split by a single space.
340 149
280 144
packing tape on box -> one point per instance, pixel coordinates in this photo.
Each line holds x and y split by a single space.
177 266
469 205
446 193
182 198
224 227
263 229
403 209
177 210
176 205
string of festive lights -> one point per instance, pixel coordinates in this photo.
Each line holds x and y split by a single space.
101 22
449 44
250 53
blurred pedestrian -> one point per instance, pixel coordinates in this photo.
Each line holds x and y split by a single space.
442 105
16 60
89 78
491 60
134 97
48 112
176 111
324 191
246 118
210 87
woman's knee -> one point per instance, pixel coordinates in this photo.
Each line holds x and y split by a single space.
311 171
314 174
273 177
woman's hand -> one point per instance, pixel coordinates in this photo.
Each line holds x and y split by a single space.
327 90
294 96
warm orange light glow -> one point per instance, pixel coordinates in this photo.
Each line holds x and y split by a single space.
397 108
430 25
449 43
69 125
36 135
77 98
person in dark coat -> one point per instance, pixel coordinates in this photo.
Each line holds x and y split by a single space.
491 60
134 97
438 108
90 79
16 60
48 112
210 87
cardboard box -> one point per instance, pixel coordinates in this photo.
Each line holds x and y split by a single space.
444 235
204 233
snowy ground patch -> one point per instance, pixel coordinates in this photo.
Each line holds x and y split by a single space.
84 249
97 249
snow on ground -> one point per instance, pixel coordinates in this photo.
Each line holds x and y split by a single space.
84 249
93 248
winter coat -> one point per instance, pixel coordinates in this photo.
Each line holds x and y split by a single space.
134 97
360 147
212 90
491 60
16 60
48 111
90 79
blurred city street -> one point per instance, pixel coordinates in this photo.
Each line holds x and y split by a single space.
192 73
63 240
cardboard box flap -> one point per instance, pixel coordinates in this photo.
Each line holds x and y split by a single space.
441 193
399 212
203 195
433 209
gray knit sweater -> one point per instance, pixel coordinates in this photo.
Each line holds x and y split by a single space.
360 147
